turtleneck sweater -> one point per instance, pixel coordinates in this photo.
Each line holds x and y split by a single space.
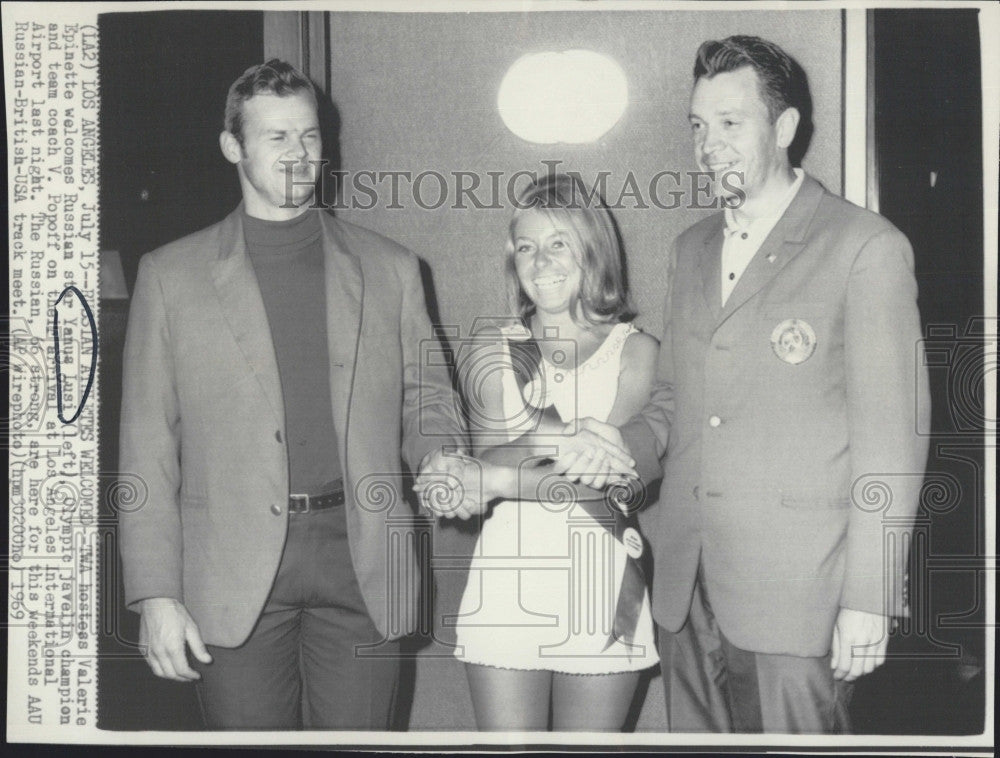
287 258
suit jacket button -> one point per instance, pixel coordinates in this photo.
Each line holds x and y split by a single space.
714 421
695 492
276 509
277 436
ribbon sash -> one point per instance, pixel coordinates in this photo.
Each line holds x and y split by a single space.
622 522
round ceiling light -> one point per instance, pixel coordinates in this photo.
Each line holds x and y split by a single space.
573 96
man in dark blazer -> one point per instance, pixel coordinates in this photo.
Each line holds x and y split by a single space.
272 373
789 387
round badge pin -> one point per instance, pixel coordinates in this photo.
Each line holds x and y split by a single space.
793 341
633 542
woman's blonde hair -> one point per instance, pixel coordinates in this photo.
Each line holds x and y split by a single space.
603 294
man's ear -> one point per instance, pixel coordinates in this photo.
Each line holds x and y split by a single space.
786 126
230 147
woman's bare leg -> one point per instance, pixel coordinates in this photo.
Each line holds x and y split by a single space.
507 699
592 702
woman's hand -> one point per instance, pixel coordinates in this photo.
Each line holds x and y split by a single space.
593 453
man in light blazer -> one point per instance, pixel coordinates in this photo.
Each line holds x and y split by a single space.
786 404
272 380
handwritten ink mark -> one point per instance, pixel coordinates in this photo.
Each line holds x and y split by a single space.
58 356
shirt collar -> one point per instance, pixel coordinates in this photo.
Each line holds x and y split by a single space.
770 219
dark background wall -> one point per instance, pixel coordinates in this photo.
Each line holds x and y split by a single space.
164 78
929 168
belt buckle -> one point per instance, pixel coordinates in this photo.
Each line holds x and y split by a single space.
293 508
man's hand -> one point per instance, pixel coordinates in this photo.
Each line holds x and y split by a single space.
164 627
594 454
450 485
859 643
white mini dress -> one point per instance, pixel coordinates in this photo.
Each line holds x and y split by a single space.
543 585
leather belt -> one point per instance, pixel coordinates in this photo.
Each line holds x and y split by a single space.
332 498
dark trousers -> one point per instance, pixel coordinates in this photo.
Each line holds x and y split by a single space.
713 686
305 663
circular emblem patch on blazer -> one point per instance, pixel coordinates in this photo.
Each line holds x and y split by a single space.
793 340
632 542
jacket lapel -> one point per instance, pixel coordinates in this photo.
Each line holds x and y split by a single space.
243 309
344 298
710 263
784 242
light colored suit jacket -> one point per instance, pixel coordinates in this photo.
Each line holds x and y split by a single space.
203 424
792 484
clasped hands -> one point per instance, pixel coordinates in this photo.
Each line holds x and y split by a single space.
593 453
455 485
452 485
